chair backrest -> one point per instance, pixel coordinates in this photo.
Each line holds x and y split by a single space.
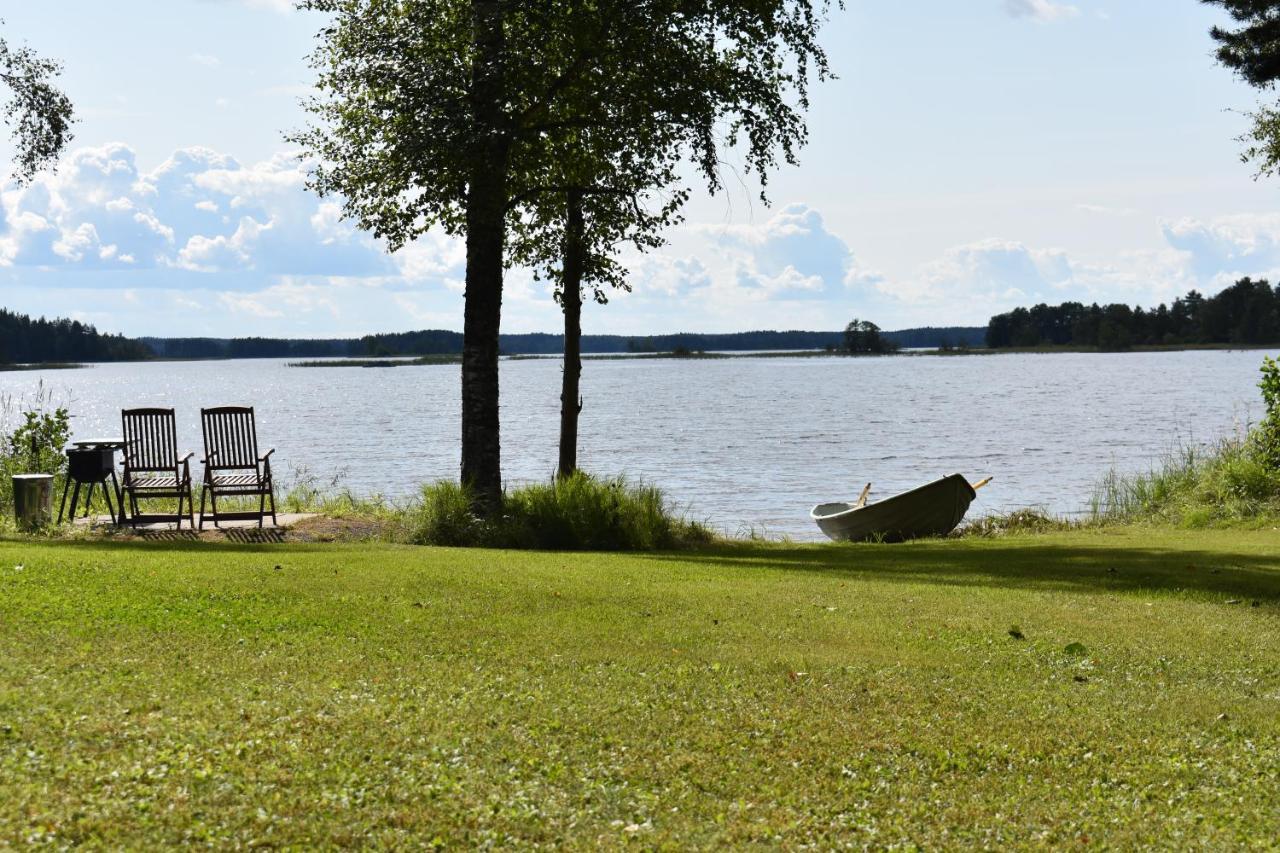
230 437
150 439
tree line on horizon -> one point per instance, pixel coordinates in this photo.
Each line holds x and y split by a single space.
1246 313
24 340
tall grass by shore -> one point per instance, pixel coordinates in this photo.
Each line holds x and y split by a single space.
1194 487
1235 481
577 513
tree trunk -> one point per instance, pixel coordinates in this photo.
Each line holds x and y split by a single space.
571 301
486 237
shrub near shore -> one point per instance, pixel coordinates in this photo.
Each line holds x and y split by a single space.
1238 481
574 513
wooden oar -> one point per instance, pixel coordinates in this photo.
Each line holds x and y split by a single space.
981 483
862 498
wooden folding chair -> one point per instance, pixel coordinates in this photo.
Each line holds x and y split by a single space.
152 468
232 466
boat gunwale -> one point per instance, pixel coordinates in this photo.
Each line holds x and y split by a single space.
813 513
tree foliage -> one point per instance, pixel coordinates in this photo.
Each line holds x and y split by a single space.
862 337
1247 313
1252 50
473 117
39 114
25 340
1267 436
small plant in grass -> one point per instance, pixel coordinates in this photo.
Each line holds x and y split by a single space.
1019 521
304 492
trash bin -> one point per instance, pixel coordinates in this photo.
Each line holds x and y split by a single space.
32 500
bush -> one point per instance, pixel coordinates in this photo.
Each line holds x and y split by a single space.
444 517
578 513
36 446
1266 437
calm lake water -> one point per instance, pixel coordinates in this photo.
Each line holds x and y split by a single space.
742 443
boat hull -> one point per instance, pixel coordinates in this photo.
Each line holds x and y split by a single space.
934 509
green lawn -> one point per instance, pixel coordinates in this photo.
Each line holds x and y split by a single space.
864 695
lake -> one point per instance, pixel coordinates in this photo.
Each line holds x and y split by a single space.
744 443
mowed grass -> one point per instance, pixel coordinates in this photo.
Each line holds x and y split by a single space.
163 693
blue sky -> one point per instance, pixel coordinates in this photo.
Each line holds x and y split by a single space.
974 155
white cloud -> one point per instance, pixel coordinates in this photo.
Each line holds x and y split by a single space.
791 254
271 5
258 253
1040 10
1228 247
205 59
198 211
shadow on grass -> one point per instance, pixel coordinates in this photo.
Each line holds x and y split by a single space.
244 540
1021 565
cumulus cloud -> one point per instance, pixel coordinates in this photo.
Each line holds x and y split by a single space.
1040 10
991 270
791 255
198 211
1228 247
248 249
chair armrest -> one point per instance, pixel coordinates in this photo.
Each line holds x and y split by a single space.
185 459
209 458
266 455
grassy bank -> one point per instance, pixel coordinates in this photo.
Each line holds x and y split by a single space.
1118 688
382 362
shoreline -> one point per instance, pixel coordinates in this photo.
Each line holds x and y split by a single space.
52 365
456 358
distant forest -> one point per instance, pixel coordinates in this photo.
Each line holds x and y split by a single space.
443 342
1246 313
27 340
198 348
24 340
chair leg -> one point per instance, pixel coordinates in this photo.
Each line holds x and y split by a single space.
179 510
191 506
115 486
262 508
204 494
213 504
271 493
88 503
